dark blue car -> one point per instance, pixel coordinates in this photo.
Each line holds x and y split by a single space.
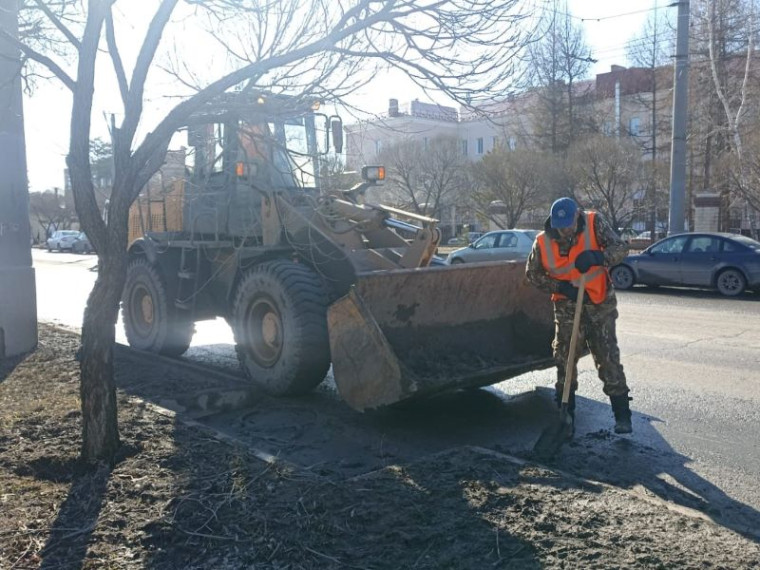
729 263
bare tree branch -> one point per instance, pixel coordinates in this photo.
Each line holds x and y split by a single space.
118 66
58 24
34 55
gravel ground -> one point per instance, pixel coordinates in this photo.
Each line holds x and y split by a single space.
182 497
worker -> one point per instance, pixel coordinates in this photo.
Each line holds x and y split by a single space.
573 242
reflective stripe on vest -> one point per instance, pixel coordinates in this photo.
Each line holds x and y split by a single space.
563 267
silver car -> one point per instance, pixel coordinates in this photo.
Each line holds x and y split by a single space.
502 245
62 240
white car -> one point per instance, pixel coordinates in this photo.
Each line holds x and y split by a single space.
496 246
62 240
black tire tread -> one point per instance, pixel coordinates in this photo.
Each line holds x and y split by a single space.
176 339
309 350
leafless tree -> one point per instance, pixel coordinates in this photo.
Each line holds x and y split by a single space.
651 50
519 181
557 60
426 176
464 48
727 84
608 172
50 211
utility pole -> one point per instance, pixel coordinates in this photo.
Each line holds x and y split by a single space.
18 304
680 101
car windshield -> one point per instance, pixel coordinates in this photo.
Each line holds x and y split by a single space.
748 242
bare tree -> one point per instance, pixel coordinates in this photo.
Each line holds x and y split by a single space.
557 60
726 88
465 48
426 176
607 171
651 50
50 211
519 181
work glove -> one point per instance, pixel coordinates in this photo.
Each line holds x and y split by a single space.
588 259
568 290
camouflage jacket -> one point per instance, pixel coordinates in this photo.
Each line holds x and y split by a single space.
614 248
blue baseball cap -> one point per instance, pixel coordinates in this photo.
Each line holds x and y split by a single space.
563 212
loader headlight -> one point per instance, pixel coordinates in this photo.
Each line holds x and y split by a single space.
373 173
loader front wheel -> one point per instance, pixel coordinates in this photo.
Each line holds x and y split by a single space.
279 317
151 321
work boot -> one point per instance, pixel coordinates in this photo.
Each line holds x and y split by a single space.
570 407
622 411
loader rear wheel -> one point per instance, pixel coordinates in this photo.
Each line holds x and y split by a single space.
151 321
279 317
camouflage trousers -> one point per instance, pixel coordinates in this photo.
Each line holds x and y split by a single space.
597 332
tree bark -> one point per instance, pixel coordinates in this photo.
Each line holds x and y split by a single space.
100 430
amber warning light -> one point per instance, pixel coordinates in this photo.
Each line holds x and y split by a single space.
373 173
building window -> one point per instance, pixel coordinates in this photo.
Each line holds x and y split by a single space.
495 143
425 143
634 126
480 145
512 143
464 147
378 146
607 128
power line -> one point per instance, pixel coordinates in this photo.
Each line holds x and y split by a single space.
601 18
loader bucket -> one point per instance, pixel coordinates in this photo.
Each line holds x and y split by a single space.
410 333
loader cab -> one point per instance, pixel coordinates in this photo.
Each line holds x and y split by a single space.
247 150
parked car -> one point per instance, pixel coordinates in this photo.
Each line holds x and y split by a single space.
459 240
62 240
729 263
627 234
643 239
496 246
82 244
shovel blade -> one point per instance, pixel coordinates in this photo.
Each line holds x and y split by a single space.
554 436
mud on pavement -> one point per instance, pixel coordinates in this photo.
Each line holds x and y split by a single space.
187 495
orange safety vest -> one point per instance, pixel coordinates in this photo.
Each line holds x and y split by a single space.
563 267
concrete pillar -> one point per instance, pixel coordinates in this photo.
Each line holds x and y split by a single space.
707 212
18 304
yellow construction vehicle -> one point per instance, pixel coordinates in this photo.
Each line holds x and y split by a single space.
307 278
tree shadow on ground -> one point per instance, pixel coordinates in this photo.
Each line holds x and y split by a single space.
231 507
70 534
333 444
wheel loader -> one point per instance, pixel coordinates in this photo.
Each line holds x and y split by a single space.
307 278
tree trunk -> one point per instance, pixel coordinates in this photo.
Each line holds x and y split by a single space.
100 432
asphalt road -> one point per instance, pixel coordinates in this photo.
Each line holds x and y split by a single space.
691 358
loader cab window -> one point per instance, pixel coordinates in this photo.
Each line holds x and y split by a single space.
209 142
294 153
217 155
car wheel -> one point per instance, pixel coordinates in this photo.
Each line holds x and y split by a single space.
50 249
457 261
622 277
731 282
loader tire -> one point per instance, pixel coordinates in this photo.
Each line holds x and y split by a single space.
279 317
151 321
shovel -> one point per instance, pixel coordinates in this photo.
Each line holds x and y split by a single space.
555 435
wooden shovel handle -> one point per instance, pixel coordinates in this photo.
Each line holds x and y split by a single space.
573 340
